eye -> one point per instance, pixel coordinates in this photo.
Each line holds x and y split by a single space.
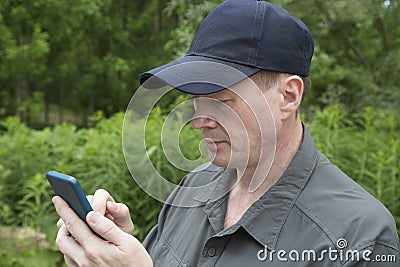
224 100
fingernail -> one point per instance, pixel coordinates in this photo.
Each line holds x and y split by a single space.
93 217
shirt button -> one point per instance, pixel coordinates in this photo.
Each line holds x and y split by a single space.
211 252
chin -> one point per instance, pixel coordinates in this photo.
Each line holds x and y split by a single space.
218 160
221 159
220 163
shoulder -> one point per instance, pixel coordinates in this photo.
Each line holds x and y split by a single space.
343 209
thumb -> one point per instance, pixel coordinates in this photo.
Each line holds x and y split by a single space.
106 228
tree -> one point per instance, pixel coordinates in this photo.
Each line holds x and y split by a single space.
357 51
80 55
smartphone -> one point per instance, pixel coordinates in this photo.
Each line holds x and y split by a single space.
70 190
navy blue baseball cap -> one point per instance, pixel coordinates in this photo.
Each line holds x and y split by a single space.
243 35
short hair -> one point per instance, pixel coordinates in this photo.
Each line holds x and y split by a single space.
266 79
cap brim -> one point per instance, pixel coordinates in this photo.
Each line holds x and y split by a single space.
197 75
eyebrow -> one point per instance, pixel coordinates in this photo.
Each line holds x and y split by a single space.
212 95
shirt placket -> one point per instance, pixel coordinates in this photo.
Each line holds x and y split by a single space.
214 246
212 250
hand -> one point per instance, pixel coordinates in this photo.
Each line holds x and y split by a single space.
83 248
103 203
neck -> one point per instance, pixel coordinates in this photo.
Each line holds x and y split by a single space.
287 144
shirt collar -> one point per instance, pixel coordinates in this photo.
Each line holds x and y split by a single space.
265 218
220 186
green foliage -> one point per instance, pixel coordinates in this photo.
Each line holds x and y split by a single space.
5 209
34 206
356 60
356 48
365 145
80 55
190 14
58 57
86 55
17 252
92 155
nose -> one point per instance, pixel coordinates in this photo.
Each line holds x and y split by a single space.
203 107
203 122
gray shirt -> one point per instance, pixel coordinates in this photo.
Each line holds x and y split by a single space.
313 216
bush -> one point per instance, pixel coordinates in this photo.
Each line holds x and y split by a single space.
364 145
93 155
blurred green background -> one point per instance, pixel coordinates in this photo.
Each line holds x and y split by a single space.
69 68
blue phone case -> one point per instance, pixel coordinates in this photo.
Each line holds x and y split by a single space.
69 189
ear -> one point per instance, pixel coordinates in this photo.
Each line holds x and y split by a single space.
292 91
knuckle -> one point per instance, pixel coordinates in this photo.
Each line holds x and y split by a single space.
108 228
60 223
59 243
83 263
70 225
69 262
91 253
124 209
129 229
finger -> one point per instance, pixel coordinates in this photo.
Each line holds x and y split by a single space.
106 228
100 199
78 228
69 262
109 216
60 222
121 215
70 248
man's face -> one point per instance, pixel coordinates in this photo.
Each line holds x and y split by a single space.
236 124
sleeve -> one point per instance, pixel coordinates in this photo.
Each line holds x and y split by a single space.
151 239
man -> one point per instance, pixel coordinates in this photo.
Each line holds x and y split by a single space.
275 200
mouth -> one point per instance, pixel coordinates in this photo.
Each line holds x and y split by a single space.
213 145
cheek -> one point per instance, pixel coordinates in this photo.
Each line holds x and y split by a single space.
261 129
275 102
255 139
250 137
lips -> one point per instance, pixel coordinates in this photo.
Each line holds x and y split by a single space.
208 140
212 141
213 144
